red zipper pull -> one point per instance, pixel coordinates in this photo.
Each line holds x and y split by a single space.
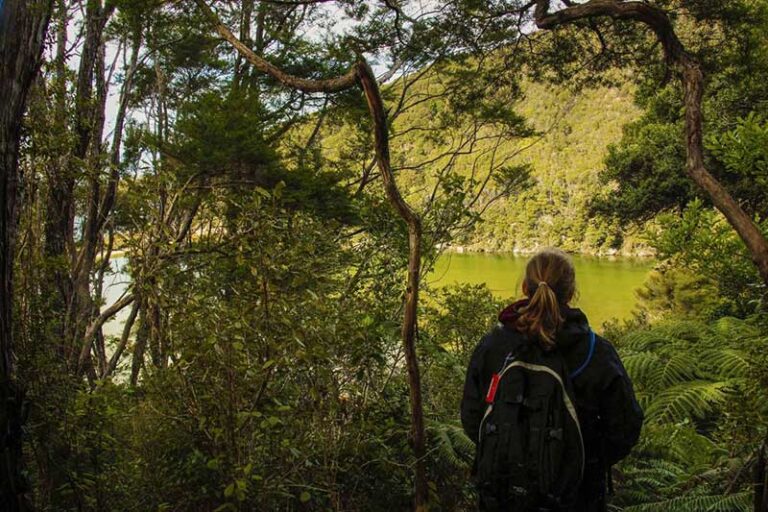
492 388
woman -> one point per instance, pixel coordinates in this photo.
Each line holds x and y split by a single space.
547 329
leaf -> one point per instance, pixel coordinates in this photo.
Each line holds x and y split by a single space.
693 399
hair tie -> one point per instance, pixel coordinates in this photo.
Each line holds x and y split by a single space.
542 283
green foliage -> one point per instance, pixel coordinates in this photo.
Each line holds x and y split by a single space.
648 170
565 158
702 246
225 137
673 291
741 502
455 319
694 381
743 152
542 150
265 363
648 165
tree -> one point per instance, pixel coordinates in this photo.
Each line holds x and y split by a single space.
728 40
23 25
361 74
692 80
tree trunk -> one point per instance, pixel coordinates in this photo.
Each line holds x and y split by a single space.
140 346
692 80
381 134
23 24
761 480
241 67
59 229
87 126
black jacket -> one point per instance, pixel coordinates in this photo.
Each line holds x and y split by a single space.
609 414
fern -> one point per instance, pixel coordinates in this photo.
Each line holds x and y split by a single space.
732 364
686 376
731 503
679 368
644 340
688 330
689 399
452 446
640 365
734 328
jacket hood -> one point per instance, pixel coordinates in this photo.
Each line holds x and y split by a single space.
574 328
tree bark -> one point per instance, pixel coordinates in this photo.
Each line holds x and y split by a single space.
760 503
115 359
23 25
381 135
692 80
59 228
108 201
241 68
96 324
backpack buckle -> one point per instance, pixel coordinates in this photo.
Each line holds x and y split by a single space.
519 491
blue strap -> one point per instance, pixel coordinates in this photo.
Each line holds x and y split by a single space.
575 373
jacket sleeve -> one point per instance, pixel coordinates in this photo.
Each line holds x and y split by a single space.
621 415
472 399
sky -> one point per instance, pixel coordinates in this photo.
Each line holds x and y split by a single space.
339 24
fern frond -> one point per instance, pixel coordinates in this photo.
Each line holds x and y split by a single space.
460 439
734 328
645 340
694 399
740 502
688 330
453 447
640 365
688 446
681 367
732 363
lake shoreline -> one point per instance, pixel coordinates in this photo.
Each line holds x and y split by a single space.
469 249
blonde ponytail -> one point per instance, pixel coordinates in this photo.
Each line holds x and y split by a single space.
549 284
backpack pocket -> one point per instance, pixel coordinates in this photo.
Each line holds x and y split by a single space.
487 453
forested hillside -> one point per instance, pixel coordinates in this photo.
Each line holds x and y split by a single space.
566 157
561 157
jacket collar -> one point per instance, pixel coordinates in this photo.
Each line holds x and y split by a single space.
574 328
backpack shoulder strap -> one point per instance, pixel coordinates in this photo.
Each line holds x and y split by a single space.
575 373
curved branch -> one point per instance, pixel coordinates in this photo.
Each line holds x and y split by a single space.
112 366
692 80
381 135
370 87
337 84
97 323
362 75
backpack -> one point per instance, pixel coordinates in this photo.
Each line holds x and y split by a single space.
530 453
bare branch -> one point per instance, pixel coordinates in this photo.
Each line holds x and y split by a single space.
123 341
337 84
97 323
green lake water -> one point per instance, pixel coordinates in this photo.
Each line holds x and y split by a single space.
605 285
